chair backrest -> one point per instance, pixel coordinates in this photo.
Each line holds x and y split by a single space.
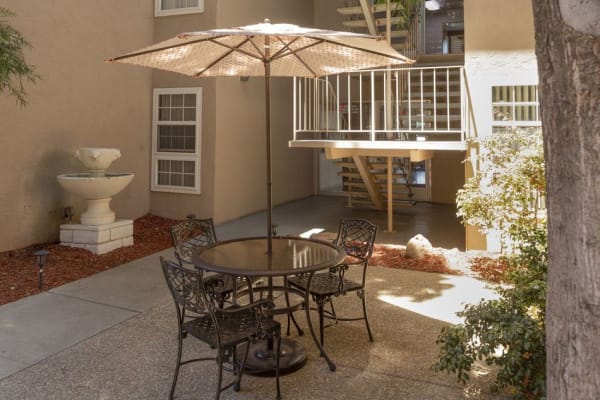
190 235
357 237
185 287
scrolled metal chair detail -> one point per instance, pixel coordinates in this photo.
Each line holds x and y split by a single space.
222 329
194 234
357 238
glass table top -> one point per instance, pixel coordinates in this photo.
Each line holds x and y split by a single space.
248 256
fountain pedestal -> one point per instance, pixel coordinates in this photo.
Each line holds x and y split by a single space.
98 231
98 239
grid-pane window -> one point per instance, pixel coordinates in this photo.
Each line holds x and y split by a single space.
176 140
515 106
176 173
173 7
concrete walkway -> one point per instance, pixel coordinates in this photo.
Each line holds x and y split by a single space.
112 335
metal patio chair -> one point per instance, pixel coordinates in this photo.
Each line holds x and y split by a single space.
224 330
357 238
193 234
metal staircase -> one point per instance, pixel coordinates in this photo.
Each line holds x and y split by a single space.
368 16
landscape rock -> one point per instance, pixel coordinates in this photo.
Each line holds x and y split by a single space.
418 247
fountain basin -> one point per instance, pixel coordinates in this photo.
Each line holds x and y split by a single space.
92 187
97 190
97 159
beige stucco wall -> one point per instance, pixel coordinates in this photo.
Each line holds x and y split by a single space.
499 50
175 205
447 176
326 15
79 101
240 159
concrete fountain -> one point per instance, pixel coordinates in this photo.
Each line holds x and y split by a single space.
99 230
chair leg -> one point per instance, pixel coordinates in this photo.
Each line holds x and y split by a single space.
238 379
179 350
219 373
333 313
290 315
278 334
361 294
320 306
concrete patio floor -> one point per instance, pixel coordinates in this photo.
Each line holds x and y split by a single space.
113 335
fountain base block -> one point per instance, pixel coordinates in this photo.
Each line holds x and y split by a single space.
98 239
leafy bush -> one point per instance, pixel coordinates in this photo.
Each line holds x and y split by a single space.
509 332
506 194
13 68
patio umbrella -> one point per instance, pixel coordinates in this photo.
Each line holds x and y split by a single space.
267 50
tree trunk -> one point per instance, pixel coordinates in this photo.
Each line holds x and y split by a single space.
569 72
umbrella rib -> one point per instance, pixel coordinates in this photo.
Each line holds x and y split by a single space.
256 47
231 50
293 52
401 58
141 53
237 48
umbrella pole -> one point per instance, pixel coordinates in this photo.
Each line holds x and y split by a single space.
268 139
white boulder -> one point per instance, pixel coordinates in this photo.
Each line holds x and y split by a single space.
418 247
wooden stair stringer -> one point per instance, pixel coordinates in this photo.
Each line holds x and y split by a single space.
370 184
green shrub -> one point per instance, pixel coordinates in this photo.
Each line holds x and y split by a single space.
13 68
509 332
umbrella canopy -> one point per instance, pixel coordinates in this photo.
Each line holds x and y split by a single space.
289 50
267 50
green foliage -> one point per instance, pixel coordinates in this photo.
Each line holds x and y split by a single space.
406 9
509 332
13 68
506 193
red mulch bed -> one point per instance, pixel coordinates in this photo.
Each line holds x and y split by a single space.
19 269
394 257
490 269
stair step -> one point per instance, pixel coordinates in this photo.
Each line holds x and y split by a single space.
357 10
345 164
354 184
400 47
361 23
357 193
379 176
395 34
383 165
350 175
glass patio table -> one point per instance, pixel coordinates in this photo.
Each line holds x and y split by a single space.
248 257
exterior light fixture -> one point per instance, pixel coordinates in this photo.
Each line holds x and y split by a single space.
432 5
41 256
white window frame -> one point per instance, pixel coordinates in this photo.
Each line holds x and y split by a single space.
159 12
513 104
163 155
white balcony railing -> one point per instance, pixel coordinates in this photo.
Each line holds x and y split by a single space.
410 104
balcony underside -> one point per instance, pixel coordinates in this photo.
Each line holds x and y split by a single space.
416 150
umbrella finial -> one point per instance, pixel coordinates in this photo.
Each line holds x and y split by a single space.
267 21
